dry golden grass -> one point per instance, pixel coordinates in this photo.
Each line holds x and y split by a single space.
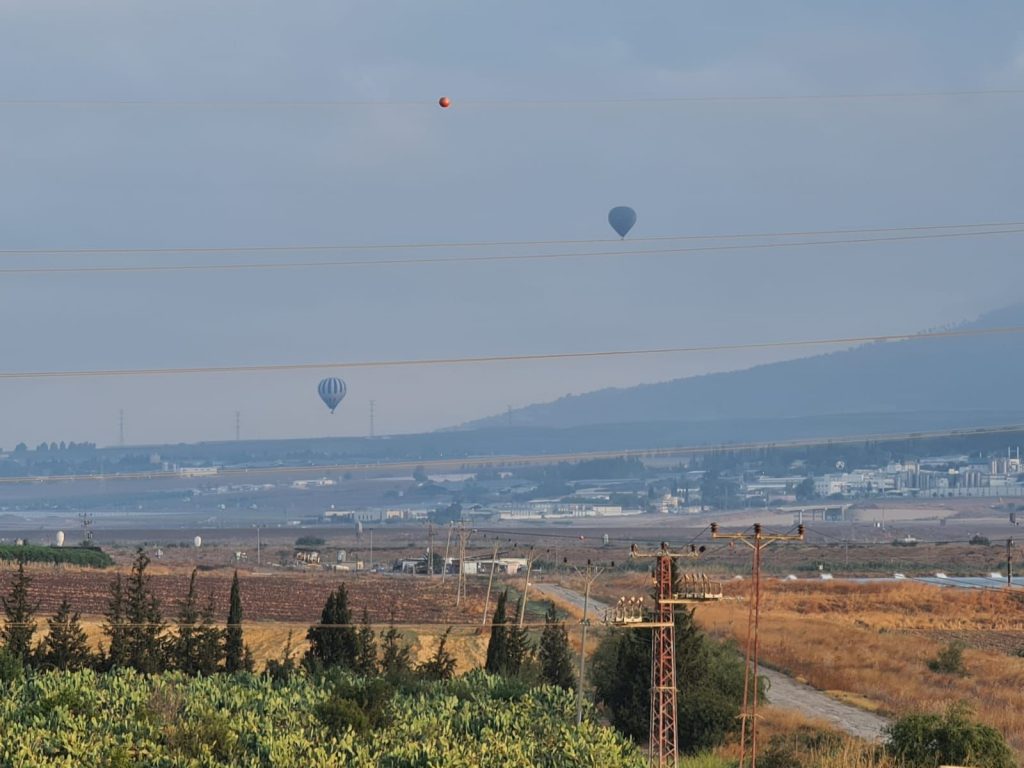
269 639
850 639
845 751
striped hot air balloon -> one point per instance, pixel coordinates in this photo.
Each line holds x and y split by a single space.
332 392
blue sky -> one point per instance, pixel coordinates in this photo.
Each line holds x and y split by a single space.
208 176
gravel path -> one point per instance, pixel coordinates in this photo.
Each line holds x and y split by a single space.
783 690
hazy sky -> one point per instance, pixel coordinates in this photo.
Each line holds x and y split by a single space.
84 176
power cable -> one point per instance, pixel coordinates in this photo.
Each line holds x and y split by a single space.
111 269
482 359
307 247
509 102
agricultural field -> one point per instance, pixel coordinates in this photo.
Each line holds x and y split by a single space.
61 720
277 604
266 596
870 645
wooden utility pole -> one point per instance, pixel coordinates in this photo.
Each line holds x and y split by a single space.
430 549
589 576
526 587
490 582
748 719
447 546
1009 563
460 591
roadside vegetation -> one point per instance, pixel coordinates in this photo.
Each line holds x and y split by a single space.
89 557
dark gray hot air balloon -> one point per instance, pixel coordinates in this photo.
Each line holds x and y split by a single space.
622 218
332 391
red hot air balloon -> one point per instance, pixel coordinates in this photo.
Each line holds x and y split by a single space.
445 102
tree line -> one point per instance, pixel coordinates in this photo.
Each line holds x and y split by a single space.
137 635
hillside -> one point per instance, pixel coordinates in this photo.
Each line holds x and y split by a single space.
937 376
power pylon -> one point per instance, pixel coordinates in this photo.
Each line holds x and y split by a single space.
748 717
664 743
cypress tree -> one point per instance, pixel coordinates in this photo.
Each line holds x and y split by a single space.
19 616
234 646
197 648
366 654
394 662
115 626
66 646
184 646
144 623
209 641
497 646
333 642
519 649
554 654
440 666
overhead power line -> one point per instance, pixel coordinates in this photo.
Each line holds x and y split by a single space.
457 101
329 247
481 462
482 359
144 268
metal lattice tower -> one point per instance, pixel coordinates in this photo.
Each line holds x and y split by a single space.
664 749
664 743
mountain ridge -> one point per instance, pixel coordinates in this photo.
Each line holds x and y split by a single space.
967 373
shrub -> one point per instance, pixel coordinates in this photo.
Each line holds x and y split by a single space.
950 660
33 553
338 715
929 741
12 668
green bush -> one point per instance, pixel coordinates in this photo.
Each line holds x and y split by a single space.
33 553
950 660
338 715
12 668
929 741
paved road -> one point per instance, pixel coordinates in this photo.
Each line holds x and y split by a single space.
573 598
783 692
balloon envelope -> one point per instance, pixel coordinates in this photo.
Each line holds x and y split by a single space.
332 391
198 541
60 538
622 218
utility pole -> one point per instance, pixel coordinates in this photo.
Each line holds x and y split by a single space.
664 744
238 426
490 582
1009 563
372 404
748 719
371 549
589 576
460 591
430 549
121 427
447 545
526 587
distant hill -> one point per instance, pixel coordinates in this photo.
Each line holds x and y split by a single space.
931 379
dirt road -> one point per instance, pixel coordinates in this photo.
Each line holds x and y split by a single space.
783 690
